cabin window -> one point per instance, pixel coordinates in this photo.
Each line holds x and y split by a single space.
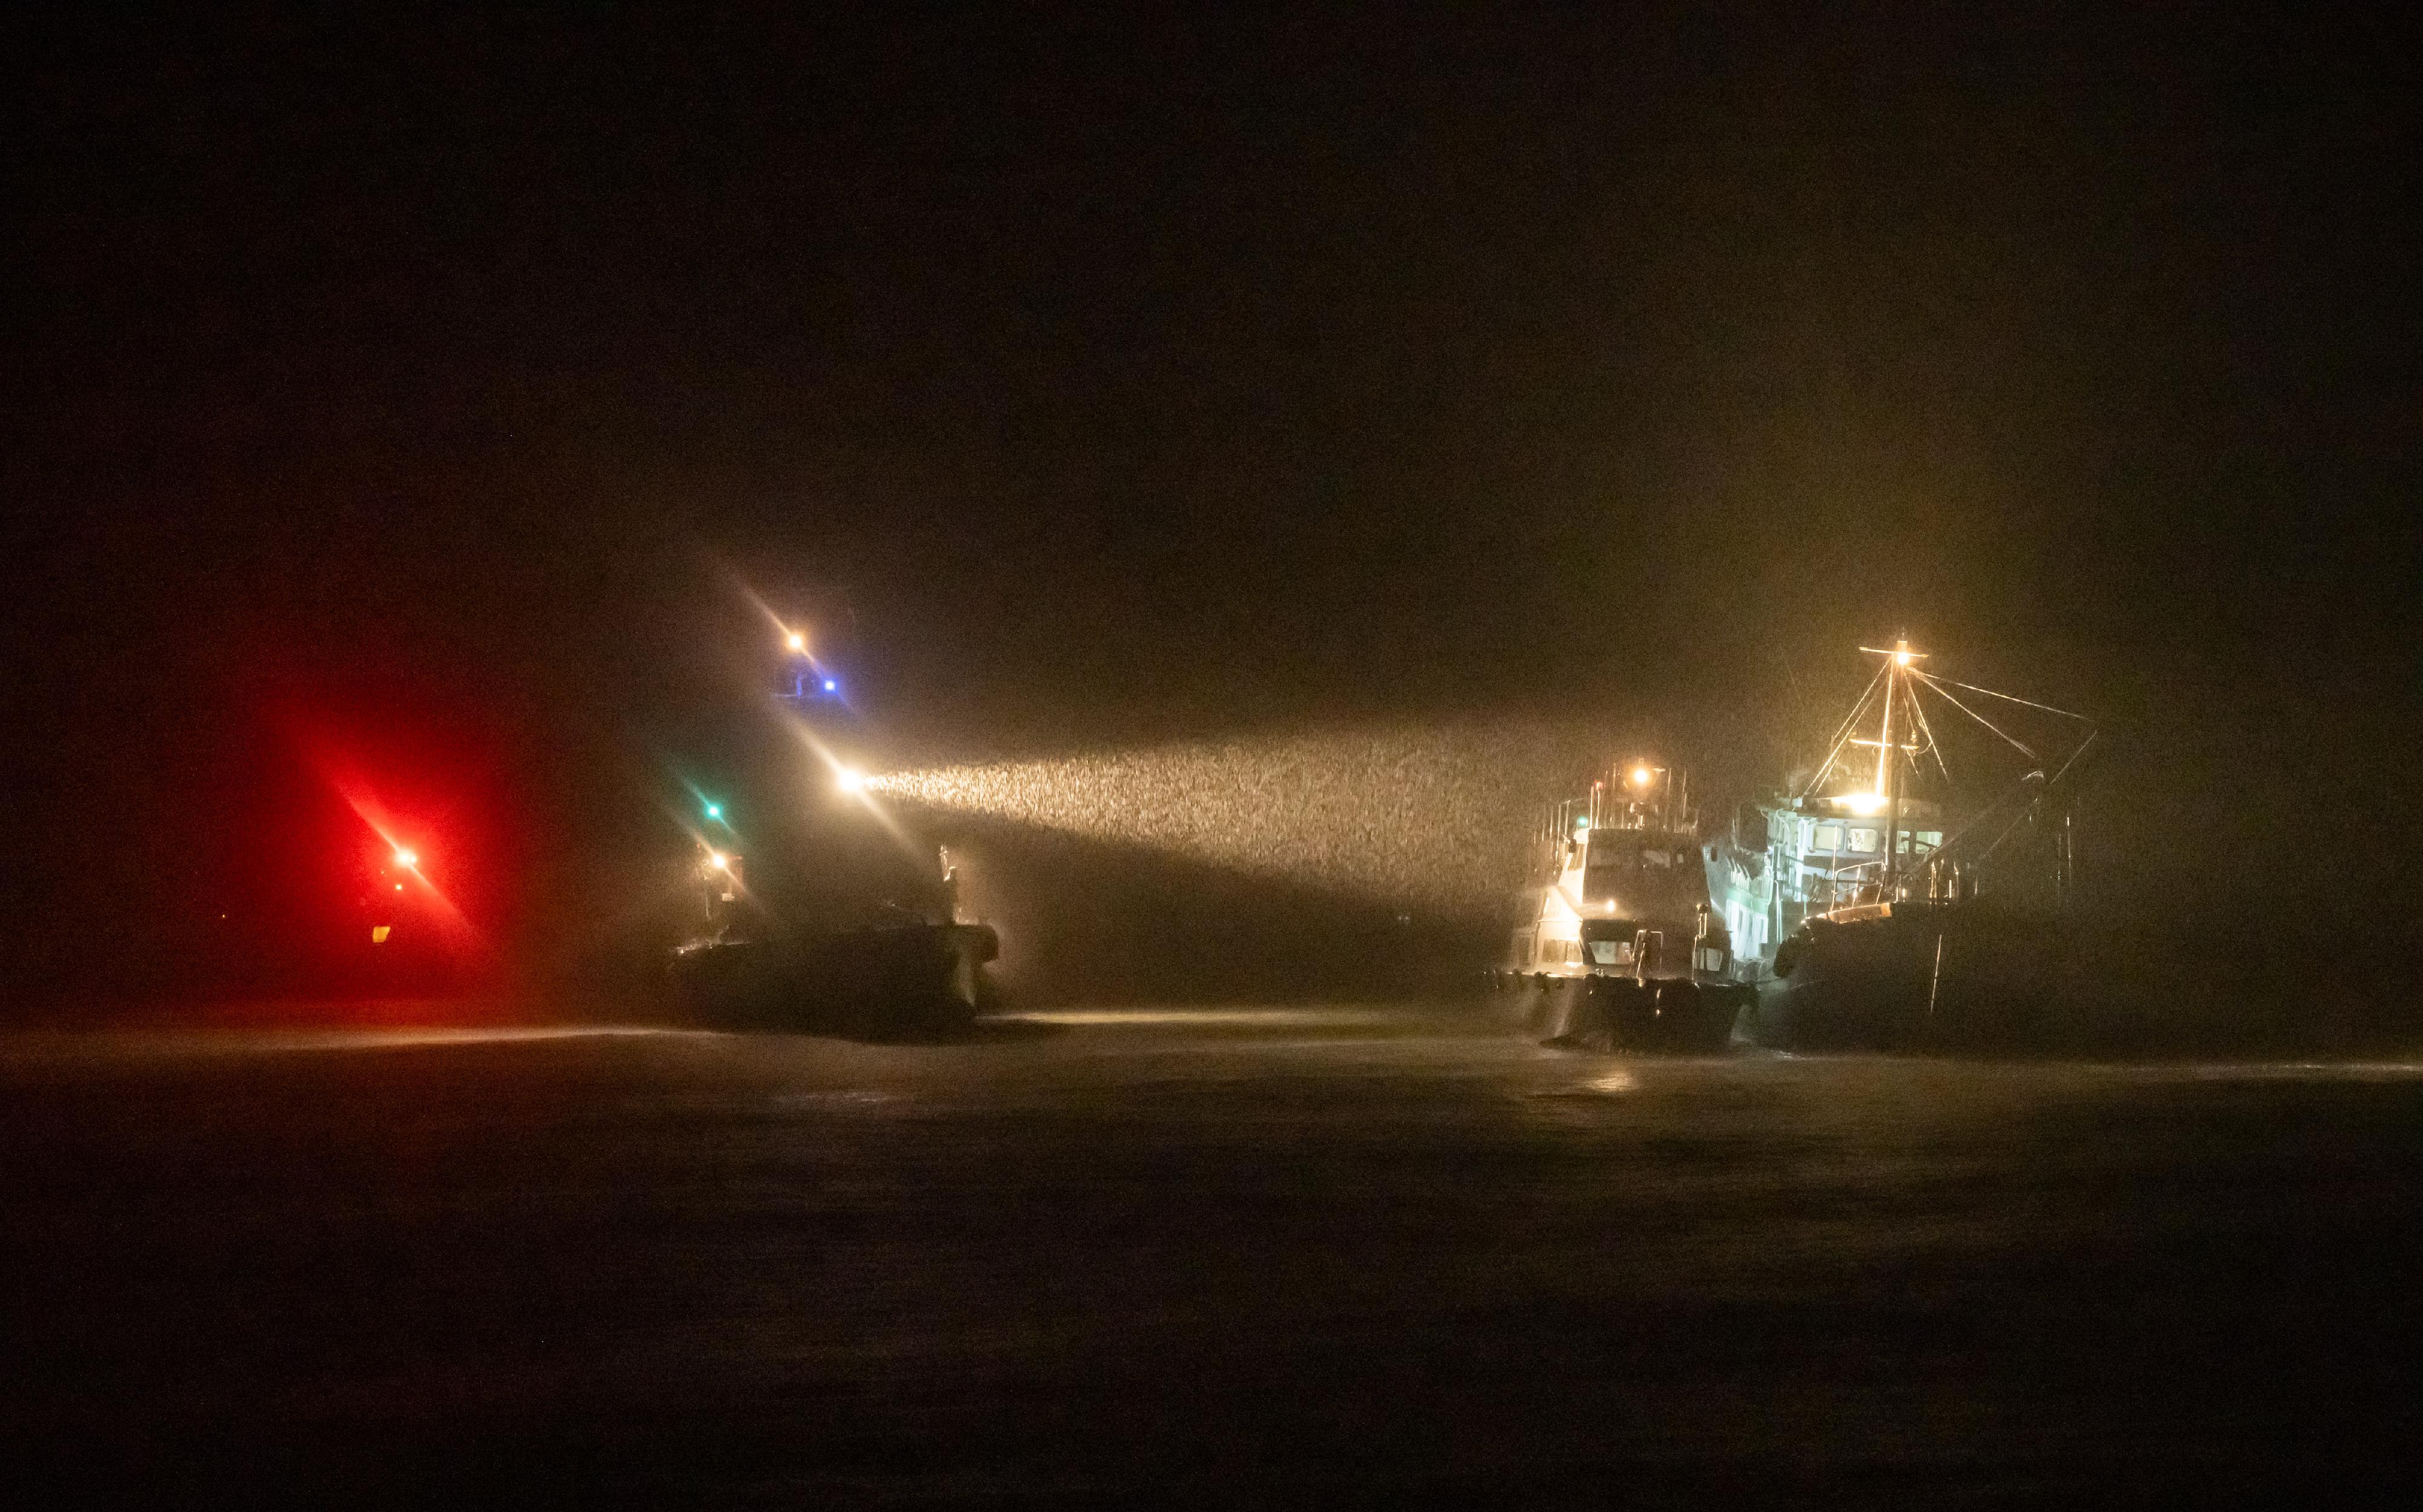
1611 952
1865 840
1828 837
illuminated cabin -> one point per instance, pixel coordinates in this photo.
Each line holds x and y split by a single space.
1811 857
1619 886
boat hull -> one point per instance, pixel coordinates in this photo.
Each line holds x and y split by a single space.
1919 979
899 981
1671 1016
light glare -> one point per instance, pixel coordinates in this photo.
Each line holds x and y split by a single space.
1427 819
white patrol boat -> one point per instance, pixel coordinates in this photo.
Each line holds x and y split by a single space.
1620 941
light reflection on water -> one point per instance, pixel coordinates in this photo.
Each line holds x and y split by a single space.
1275 1018
2277 1071
112 1044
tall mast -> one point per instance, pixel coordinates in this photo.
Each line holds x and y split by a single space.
1884 736
1888 771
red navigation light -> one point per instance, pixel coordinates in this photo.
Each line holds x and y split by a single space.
404 857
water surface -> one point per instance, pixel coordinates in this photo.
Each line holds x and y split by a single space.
1371 1254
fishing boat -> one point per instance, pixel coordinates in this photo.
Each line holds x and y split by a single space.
1914 898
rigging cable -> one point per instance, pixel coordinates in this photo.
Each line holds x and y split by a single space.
1980 718
1928 730
2008 698
1853 718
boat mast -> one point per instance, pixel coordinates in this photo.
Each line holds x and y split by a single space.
1884 738
1888 771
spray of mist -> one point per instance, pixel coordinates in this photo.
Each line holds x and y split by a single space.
1431 819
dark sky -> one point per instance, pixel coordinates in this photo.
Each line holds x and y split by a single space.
423 388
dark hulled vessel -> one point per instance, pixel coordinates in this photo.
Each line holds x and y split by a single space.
819 913
1911 913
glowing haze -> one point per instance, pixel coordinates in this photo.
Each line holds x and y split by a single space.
1434 819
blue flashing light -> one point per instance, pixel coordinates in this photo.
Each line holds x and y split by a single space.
831 686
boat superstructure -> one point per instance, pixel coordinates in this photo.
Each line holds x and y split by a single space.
1619 934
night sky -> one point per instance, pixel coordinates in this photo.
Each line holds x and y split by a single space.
416 398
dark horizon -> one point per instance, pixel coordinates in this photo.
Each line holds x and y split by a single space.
420 397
